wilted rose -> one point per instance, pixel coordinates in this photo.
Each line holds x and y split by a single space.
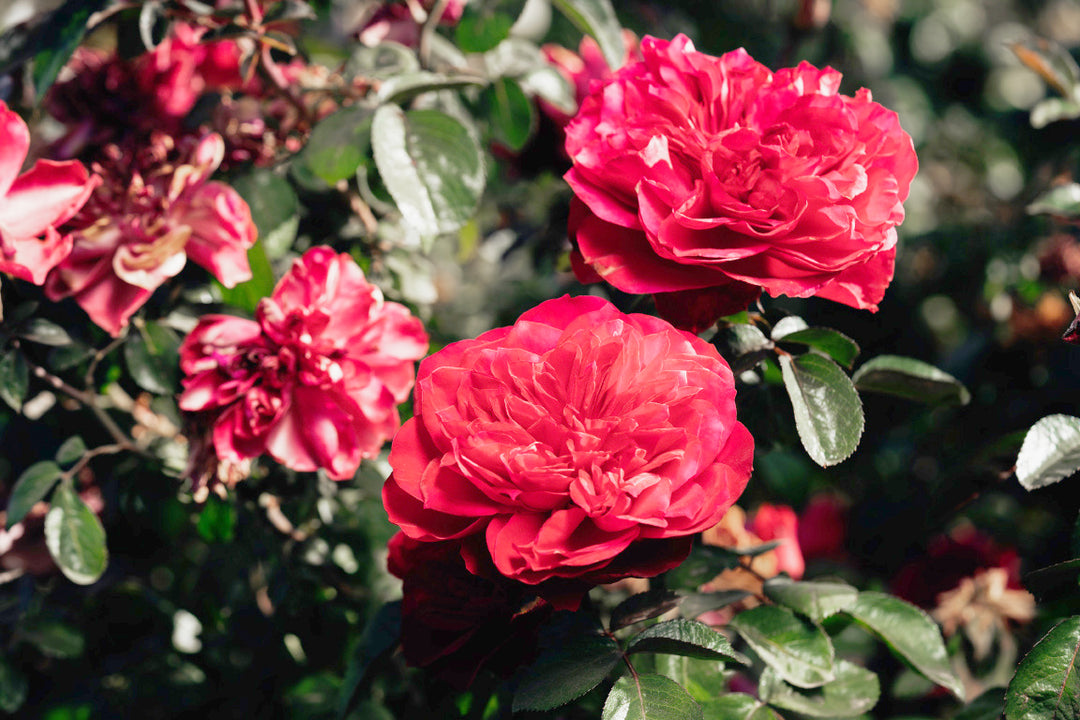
712 175
579 444
315 380
35 203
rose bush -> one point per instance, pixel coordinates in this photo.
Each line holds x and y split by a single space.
712 176
557 447
315 380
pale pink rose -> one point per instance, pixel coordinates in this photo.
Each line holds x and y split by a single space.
779 522
35 203
696 174
581 445
156 208
315 380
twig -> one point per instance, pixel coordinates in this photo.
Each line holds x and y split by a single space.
424 49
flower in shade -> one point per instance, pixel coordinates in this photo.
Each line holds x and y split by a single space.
579 446
35 203
709 175
156 208
314 380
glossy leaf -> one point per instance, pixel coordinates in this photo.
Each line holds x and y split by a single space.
404 87
1047 682
44 332
432 166
833 343
828 412
988 706
703 679
32 487
910 633
737 706
13 687
800 652
706 561
338 144
63 32
642 606
71 450
480 31
597 18
152 356
1059 577
1051 451
742 345
788 325
816 600
649 697
246 295
697 604
688 638
75 537
854 691
511 113
14 378
910 379
567 672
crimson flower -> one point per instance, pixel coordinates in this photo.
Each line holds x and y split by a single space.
35 203
581 444
315 380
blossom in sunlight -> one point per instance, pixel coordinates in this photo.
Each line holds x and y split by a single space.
35 203
579 446
709 175
314 380
156 208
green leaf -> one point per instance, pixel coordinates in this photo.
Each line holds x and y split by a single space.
833 343
1053 109
65 30
1047 682
71 450
217 521
31 487
1051 451
274 208
799 651
480 31
688 638
14 378
1063 200
698 604
338 144
703 679
597 18
910 633
380 636
13 687
815 600
642 606
988 706
743 346
788 325
53 638
404 87
247 295
511 113
75 537
567 672
910 379
854 691
706 561
1060 576
649 697
828 412
737 706
431 164
152 356
42 331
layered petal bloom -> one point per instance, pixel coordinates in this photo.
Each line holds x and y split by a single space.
35 203
709 175
581 444
315 379
156 209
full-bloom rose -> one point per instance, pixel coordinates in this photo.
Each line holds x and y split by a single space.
315 380
579 444
34 203
156 209
713 176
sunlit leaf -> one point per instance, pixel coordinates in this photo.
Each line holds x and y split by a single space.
910 379
800 652
1050 452
14 378
816 600
828 412
597 18
649 697
685 637
854 691
75 537
31 488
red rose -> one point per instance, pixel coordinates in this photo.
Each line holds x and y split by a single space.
580 443
779 522
717 176
822 527
316 381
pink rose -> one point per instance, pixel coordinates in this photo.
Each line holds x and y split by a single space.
156 209
779 522
315 380
703 175
580 444
582 68
33 204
